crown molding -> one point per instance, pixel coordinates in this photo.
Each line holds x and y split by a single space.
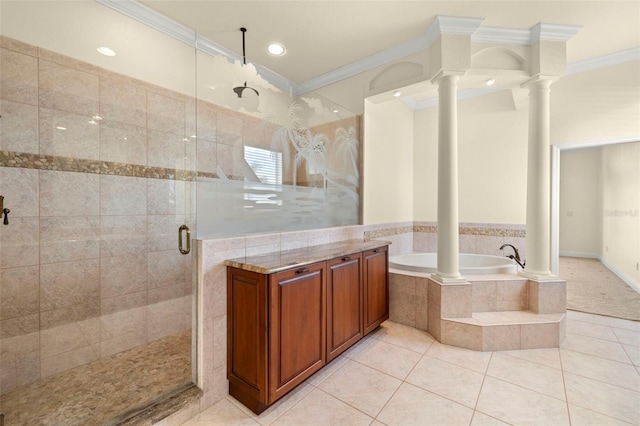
365 64
615 58
553 32
440 25
150 17
457 24
497 35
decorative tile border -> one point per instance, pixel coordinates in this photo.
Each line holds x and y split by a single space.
67 164
386 232
513 231
492 231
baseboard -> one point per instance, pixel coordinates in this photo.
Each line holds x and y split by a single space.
579 254
624 277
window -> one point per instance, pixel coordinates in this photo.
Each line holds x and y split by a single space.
267 165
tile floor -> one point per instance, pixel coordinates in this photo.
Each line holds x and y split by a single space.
399 375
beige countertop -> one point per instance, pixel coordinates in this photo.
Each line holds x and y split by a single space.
279 261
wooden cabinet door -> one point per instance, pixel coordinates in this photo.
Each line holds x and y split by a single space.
376 288
247 338
297 329
344 303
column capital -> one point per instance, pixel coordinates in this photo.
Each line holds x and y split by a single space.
446 73
540 80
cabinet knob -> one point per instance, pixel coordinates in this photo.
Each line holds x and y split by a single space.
344 259
376 250
302 271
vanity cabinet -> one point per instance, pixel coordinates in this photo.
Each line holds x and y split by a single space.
376 287
286 323
344 303
297 327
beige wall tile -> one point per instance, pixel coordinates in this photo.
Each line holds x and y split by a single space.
166 149
206 156
512 295
19 242
125 302
168 317
489 244
19 78
121 275
20 190
122 143
69 238
67 89
115 202
65 361
123 235
207 118
18 326
66 134
163 231
230 159
62 339
165 114
167 267
69 283
536 336
19 350
456 300
166 196
19 290
123 103
501 338
462 335
19 130
69 194
484 296
229 129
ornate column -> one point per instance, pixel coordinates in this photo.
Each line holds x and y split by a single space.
448 247
538 241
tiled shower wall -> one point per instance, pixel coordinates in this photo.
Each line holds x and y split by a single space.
93 172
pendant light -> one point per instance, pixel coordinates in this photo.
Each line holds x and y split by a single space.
241 89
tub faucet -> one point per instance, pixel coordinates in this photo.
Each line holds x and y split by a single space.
515 256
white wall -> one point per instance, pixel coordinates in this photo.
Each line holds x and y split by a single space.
492 160
580 203
621 207
387 163
602 104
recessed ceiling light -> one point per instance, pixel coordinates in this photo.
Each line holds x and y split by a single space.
61 128
276 49
397 93
106 51
335 111
490 82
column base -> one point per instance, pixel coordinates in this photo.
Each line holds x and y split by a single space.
538 276
447 280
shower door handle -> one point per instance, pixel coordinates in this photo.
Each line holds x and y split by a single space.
188 249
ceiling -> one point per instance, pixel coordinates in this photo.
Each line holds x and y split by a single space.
323 36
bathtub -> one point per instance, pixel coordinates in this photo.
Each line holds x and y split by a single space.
469 264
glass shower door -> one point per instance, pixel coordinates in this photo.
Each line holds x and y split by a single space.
97 168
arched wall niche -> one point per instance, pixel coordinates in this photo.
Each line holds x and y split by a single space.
395 73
